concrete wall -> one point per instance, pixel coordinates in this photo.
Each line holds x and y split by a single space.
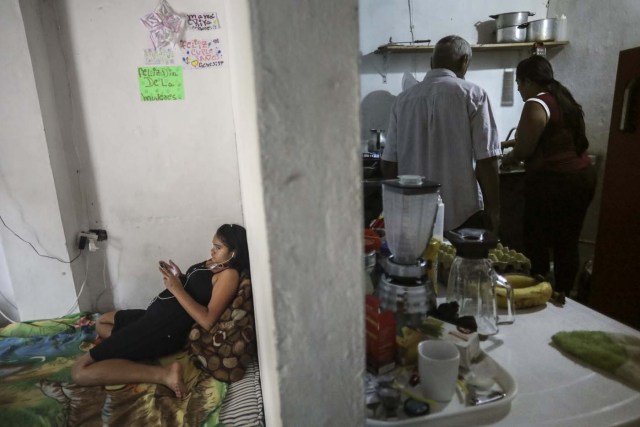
296 94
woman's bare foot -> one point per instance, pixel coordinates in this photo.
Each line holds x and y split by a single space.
175 380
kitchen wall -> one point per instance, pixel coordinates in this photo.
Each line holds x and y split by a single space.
597 31
432 19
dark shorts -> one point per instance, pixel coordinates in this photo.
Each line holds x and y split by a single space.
137 336
123 318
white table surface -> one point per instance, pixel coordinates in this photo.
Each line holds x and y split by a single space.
553 389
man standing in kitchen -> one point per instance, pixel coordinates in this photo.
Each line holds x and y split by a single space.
443 128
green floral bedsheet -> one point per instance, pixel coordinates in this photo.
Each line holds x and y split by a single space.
36 387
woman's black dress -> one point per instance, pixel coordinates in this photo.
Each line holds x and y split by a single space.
159 330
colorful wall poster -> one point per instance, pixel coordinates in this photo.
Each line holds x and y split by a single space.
203 21
159 57
161 83
197 54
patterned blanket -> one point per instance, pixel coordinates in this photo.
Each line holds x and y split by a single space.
36 388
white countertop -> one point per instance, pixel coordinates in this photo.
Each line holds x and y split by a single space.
553 389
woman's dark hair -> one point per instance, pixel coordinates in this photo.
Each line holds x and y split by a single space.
538 70
234 237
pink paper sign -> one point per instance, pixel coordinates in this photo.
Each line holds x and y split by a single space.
197 53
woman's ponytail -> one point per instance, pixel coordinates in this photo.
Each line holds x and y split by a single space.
572 114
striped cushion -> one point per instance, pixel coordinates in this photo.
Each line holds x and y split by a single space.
242 406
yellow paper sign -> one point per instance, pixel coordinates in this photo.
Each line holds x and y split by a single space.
160 83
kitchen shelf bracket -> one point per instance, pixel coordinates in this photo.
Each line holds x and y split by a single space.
385 67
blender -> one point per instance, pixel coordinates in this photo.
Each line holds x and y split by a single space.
410 205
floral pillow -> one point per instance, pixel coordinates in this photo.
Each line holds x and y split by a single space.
227 348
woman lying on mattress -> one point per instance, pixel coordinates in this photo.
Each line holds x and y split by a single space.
129 336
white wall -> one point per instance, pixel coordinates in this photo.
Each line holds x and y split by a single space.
165 173
158 176
29 205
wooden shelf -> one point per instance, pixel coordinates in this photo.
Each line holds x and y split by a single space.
419 48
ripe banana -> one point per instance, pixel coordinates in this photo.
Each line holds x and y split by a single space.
518 281
524 297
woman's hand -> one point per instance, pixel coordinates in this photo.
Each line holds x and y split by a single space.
172 267
170 279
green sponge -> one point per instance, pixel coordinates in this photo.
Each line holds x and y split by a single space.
594 347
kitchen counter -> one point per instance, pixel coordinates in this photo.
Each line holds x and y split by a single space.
554 389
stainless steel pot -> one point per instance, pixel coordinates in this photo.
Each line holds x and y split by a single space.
542 30
516 34
511 19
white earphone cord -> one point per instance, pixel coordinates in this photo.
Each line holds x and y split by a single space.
186 282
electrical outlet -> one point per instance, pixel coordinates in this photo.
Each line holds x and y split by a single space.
102 234
91 237
85 237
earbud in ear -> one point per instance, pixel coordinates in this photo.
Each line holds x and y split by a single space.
233 254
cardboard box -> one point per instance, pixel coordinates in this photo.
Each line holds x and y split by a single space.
380 337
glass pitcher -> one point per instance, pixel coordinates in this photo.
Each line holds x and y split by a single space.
472 279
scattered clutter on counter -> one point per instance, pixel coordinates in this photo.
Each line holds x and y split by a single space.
408 258
397 393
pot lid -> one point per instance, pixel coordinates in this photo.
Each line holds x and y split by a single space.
511 13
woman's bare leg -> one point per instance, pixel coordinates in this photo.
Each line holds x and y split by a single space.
104 324
87 371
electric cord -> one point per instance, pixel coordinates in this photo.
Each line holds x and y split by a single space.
104 282
2 313
7 317
34 248
84 282
4 297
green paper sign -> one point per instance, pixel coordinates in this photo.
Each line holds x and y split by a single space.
161 83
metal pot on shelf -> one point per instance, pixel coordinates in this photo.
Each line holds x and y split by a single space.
541 30
511 19
515 34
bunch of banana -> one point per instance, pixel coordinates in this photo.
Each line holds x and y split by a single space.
527 291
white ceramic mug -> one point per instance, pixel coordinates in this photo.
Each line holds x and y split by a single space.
438 363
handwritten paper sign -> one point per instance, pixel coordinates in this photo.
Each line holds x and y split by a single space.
159 57
203 21
160 83
201 53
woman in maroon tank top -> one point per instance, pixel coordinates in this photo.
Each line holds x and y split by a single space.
560 179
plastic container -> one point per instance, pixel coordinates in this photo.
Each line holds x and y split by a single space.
561 29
